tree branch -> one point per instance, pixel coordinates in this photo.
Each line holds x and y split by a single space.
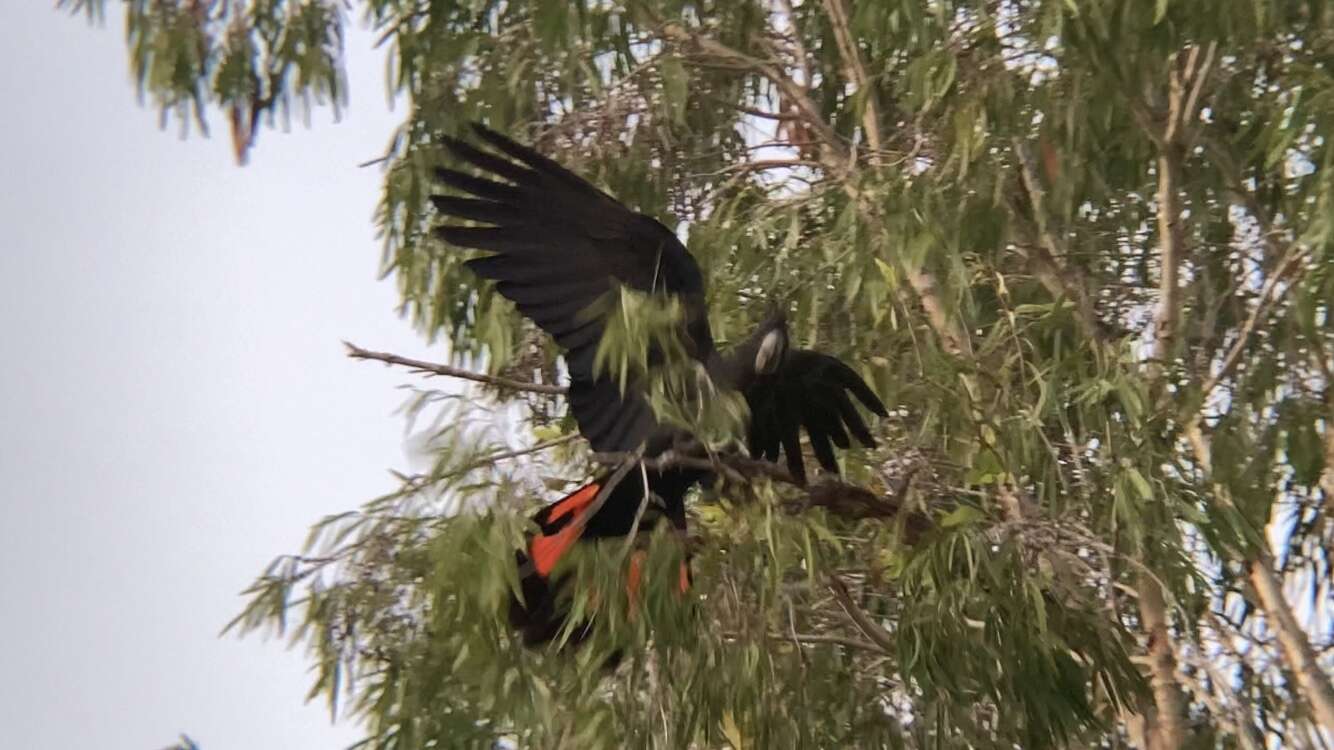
1300 657
791 90
838 497
870 628
431 368
856 71
1289 266
1170 239
1169 725
818 638
1060 279
1316 686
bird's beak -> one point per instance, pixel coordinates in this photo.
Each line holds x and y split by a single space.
770 353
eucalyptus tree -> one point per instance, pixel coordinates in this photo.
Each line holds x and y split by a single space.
1083 250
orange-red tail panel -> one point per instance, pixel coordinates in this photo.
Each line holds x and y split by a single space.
547 549
574 502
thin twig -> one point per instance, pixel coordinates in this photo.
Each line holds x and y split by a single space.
763 114
639 514
878 635
817 638
432 368
1290 263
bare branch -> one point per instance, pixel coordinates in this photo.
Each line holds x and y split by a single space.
791 90
838 497
432 368
761 113
1300 657
872 630
856 72
817 638
1060 278
1170 240
1298 654
1169 724
1289 266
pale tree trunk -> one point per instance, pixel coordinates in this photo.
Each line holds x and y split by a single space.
1297 652
1315 686
1166 728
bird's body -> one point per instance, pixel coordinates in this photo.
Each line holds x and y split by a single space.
558 248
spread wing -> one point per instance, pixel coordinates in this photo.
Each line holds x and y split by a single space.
813 391
558 245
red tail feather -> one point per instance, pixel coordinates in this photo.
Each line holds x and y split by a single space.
572 503
547 549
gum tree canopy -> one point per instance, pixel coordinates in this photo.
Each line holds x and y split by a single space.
1082 250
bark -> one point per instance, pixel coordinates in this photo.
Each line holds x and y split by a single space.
1299 656
1048 256
433 368
1167 726
856 71
1297 652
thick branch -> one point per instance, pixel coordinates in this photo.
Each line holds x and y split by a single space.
1169 725
952 335
838 497
1059 278
847 49
1170 239
1316 687
1327 476
792 91
432 368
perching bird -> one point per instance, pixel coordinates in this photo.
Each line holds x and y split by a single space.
558 246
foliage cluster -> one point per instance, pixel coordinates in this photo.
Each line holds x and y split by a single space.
1084 249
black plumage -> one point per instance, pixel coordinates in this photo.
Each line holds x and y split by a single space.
557 246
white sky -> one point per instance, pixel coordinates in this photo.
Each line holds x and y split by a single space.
175 407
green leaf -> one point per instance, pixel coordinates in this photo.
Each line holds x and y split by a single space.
675 87
1159 11
732 732
964 515
1305 451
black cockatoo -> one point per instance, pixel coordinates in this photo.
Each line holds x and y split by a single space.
557 247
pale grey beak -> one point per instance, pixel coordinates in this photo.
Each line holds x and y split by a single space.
770 353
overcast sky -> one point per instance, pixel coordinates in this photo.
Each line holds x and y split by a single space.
175 408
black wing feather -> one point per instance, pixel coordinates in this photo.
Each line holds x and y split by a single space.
558 246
